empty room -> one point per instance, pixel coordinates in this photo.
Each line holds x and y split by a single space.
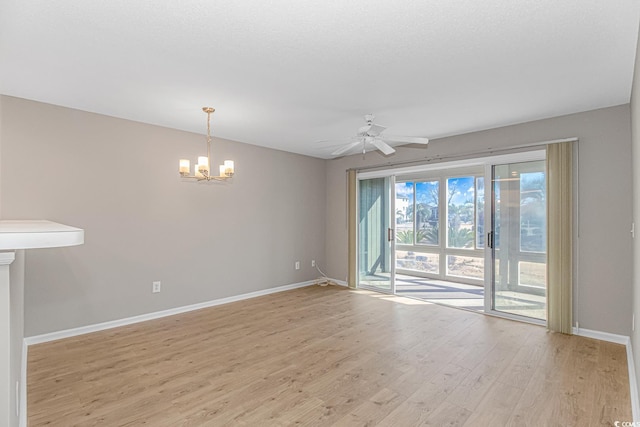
319 213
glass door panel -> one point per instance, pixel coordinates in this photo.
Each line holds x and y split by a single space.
440 226
404 213
465 218
518 240
460 212
417 227
427 213
376 234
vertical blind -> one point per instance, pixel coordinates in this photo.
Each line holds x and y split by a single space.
351 228
560 237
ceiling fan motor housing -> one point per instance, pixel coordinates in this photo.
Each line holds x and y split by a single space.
363 130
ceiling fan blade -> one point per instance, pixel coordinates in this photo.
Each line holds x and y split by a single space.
382 146
375 130
406 139
346 148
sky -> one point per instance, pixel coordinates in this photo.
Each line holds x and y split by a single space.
464 187
464 190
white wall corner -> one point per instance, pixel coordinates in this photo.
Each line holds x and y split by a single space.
22 418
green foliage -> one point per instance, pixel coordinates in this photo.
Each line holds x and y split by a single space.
429 235
404 237
423 236
460 238
457 237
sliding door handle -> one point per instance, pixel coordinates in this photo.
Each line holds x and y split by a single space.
490 239
390 235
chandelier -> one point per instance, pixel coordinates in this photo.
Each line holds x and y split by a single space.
202 170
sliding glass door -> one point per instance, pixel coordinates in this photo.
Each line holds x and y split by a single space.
376 234
518 241
471 233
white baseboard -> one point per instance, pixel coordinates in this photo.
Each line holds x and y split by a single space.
626 341
338 282
602 336
633 384
38 339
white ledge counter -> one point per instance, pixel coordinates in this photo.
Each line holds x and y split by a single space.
15 237
34 234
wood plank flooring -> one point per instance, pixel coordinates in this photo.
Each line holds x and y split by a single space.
328 357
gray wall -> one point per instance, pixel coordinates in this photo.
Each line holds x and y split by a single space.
1 133
635 150
118 180
602 301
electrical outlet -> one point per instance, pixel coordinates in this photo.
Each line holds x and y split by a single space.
156 287
297 265
313 263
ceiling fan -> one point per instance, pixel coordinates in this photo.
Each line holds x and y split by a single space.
369 137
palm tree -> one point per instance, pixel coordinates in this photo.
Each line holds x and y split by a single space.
404 237
460 237
429 234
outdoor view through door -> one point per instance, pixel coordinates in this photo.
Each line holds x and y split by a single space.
520 239
441 236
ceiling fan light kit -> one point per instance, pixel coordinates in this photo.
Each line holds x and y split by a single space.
369 136
202 170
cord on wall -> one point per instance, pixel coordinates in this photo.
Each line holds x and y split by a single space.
323 280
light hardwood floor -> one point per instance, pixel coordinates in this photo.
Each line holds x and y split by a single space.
328 356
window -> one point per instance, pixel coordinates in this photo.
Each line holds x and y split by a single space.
440 225
427 212
533 211
460 212
404 213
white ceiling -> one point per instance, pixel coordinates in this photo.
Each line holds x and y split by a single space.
287 73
